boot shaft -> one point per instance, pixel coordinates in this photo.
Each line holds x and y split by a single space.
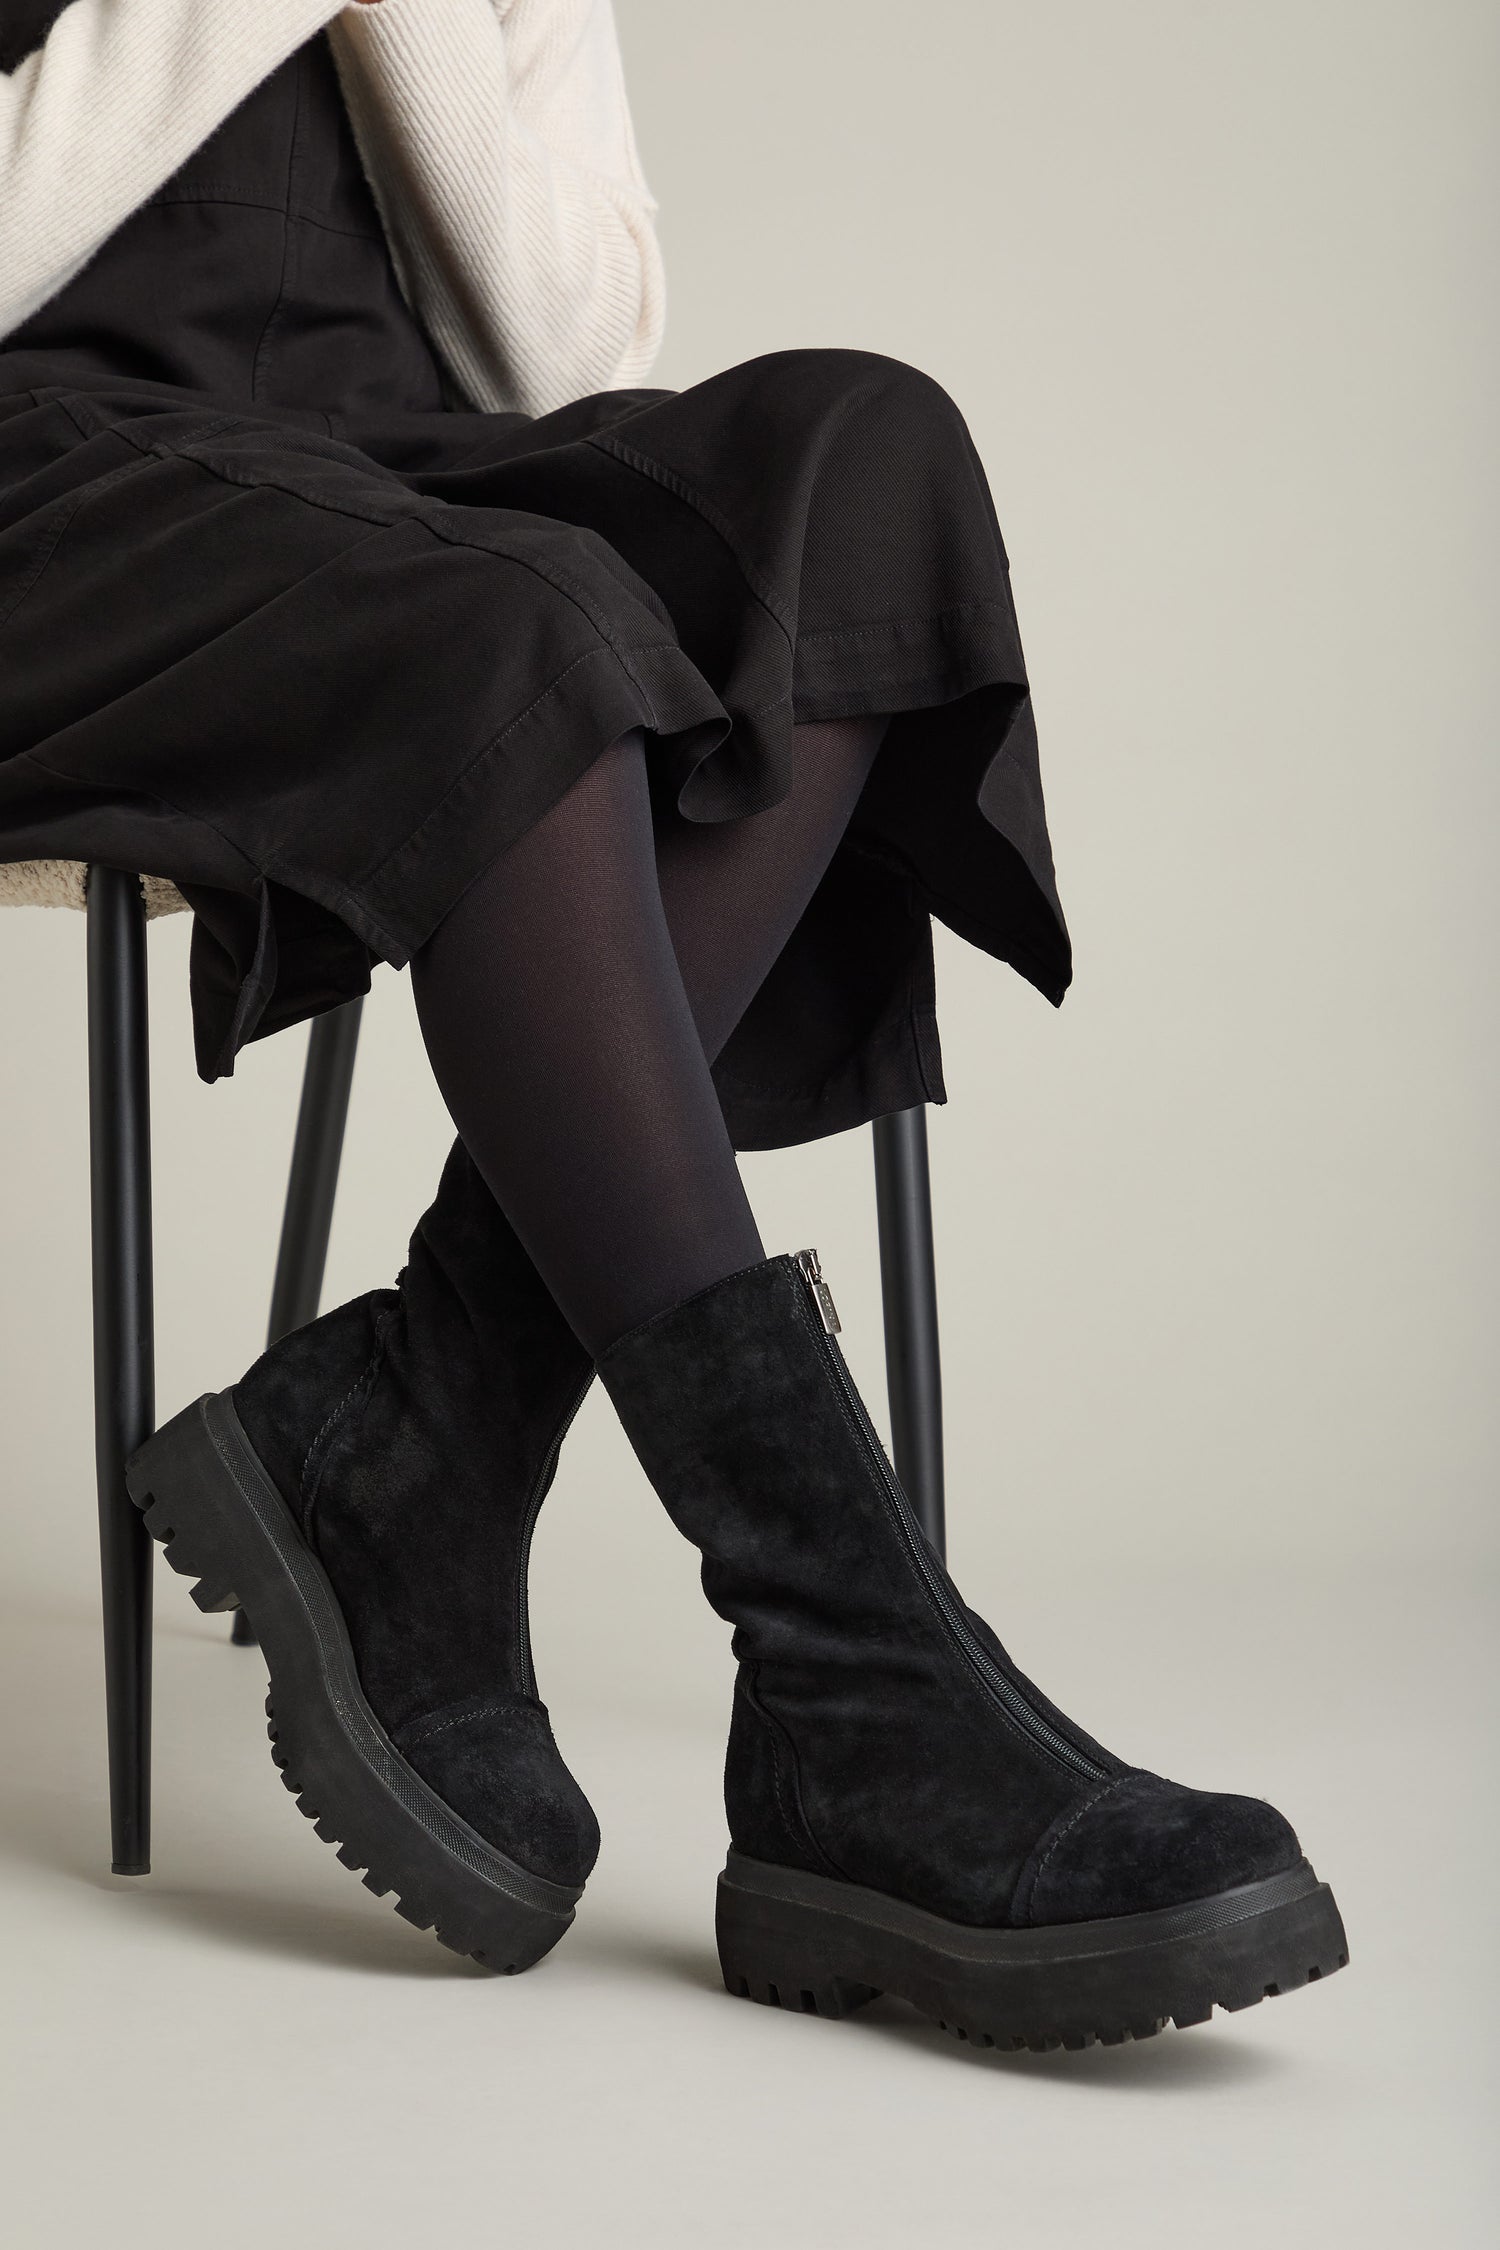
414 1432
879 1730
746 1419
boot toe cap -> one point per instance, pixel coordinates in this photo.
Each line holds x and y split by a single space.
494 1762
1142 1844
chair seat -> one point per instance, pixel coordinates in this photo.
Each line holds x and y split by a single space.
64 882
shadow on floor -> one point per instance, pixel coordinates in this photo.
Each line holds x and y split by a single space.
216 1878
67 1837
1208 2059
294 1929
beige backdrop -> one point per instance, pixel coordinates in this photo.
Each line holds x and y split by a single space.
1214 286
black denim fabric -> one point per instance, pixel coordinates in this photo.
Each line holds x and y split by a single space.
413 1433
863 1743
26 25
284 621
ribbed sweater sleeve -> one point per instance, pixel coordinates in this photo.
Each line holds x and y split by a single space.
498 144
118 94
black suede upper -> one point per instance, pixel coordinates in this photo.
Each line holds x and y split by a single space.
865 1743
414 1434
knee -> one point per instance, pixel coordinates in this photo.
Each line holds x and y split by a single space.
864 383
878 416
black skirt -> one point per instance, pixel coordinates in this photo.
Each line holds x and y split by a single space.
318 645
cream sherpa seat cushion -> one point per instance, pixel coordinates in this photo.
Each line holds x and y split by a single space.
63 882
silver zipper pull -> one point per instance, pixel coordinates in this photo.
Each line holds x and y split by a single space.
811 1269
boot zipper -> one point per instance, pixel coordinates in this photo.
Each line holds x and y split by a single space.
1001 1690
812 1273
534 1501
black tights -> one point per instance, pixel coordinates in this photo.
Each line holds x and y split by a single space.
574 998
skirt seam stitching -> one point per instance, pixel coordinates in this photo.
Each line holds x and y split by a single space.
387 520
892 625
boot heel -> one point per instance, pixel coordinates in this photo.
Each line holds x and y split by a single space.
172 1480
774 1951
833 1997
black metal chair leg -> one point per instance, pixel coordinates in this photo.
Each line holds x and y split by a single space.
311 1186
124 1356
908 1288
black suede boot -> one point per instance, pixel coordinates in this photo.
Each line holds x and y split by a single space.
907 1813
368 1493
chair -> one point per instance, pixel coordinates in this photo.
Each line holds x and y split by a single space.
118 905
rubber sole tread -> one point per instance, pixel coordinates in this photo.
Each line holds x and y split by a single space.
836 2003
812 1946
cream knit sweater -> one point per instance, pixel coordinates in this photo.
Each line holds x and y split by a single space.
495 134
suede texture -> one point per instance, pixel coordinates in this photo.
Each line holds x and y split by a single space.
863 1743
414 1434
1142 1842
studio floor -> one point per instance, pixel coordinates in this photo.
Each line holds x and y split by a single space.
246 2047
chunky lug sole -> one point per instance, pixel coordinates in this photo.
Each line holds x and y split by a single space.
823 1947
222 1521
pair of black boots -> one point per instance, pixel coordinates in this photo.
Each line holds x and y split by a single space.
907 1813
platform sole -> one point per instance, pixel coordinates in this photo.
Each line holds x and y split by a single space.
222 1522
822 1947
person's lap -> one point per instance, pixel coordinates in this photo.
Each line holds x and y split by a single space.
322 674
